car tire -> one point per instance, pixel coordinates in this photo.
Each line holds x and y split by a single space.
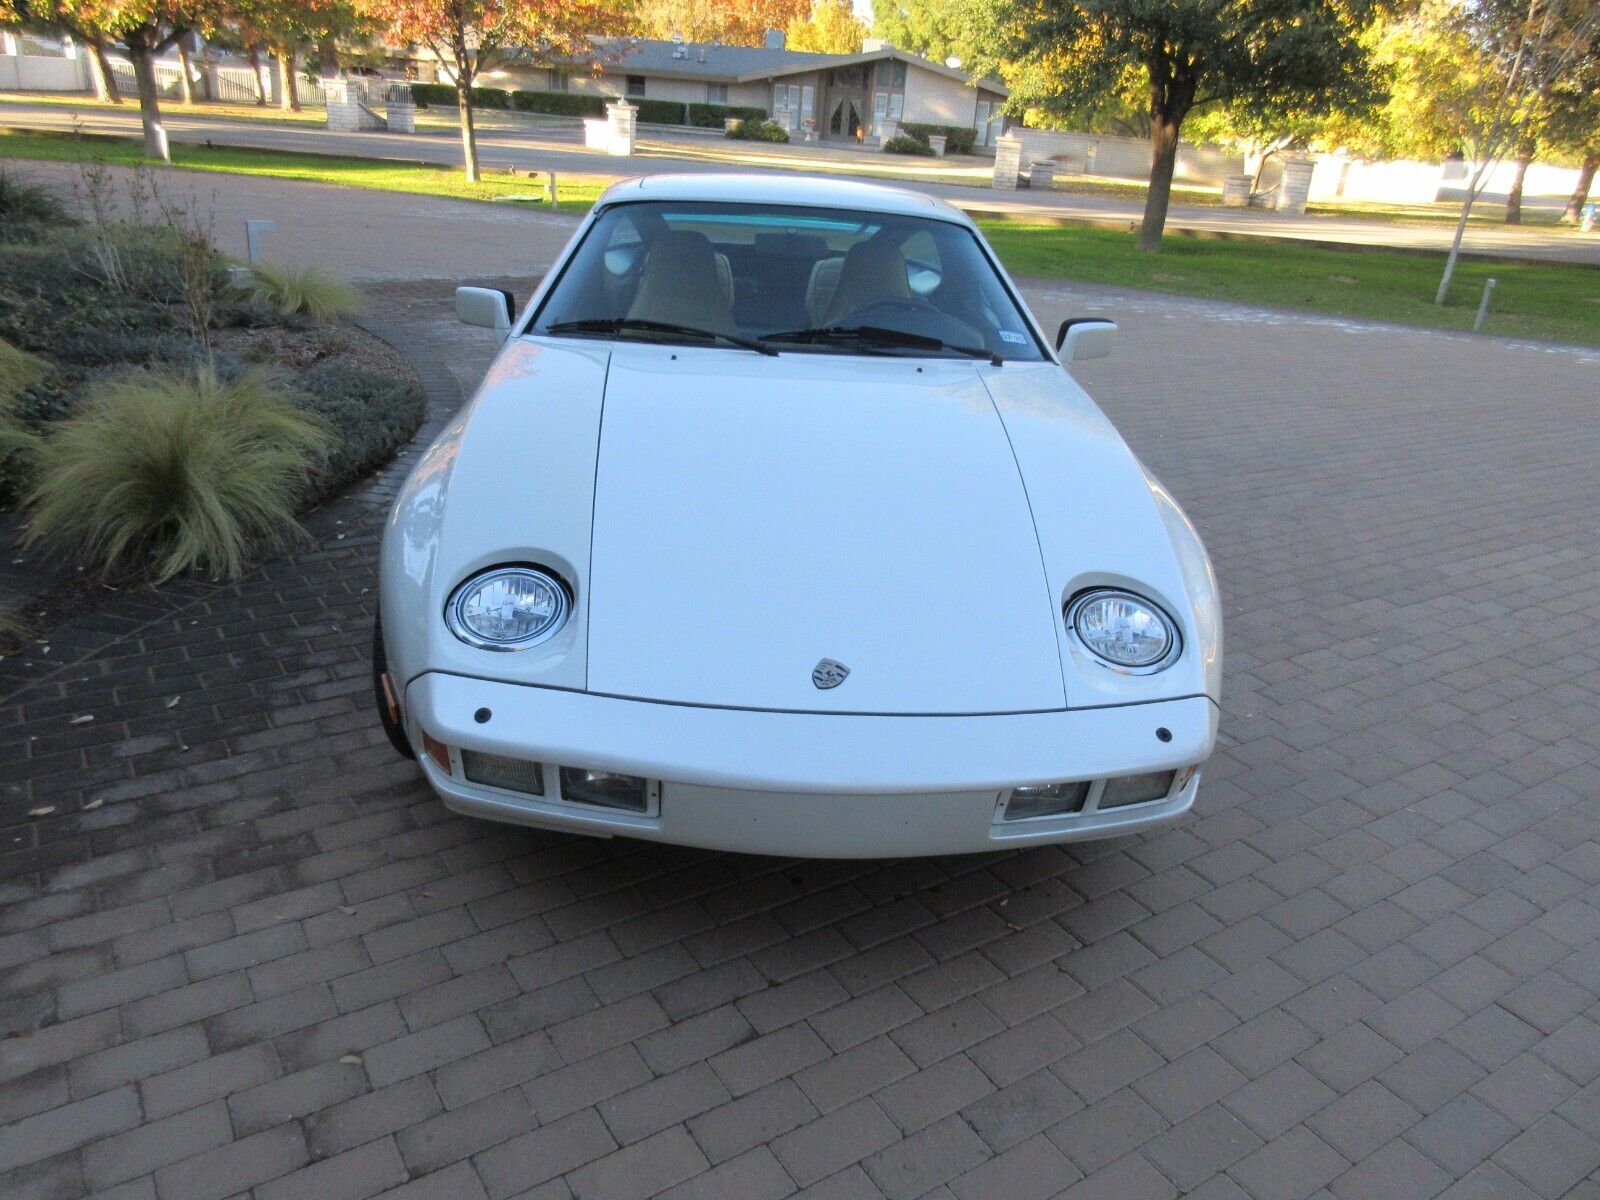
380 664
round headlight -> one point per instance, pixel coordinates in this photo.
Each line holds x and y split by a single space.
1123 630
509 608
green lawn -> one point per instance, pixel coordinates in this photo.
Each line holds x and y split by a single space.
1538 300
577 192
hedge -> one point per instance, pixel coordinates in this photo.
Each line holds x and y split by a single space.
581 104
904 143
442 94
958 140
559 104
752 130
715 116
659 112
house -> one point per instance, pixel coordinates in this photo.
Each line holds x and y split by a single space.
836 97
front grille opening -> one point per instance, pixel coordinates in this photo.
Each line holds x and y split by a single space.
1046 800
605 789
1136 789
497 771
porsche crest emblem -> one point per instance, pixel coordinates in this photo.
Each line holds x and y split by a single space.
829 674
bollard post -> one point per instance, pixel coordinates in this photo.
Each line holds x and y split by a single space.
550 190
252 238
1483 305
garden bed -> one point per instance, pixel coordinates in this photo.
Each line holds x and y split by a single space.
118 322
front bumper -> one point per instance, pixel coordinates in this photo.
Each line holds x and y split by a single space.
808 784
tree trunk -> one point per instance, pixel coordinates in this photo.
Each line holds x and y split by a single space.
105 79
1474 186
185 77
144 76
1163 158
327 57
288 93
261 76
469 136
1525 154
1580 194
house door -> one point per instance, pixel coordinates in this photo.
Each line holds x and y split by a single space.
985 121
845 119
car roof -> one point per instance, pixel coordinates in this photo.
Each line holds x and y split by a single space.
809 191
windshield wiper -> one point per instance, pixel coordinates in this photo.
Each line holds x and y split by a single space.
877 335
624 324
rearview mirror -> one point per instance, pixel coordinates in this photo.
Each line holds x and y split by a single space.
1083 338
486 308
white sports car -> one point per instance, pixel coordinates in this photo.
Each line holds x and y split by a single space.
778 525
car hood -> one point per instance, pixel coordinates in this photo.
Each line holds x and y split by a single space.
750 522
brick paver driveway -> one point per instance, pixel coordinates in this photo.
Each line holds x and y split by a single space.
243 952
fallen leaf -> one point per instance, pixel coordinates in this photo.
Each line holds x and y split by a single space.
349 912
42 812
172 701
83 720
353 1059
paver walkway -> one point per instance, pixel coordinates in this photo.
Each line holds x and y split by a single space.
243 952
551 148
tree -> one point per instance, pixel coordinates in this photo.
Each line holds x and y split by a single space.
832 28
143 29
735 22
936 29
468 37
1572 123
46 18
1471 76
1260 56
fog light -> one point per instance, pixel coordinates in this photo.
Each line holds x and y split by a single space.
605 789
1136 789
493 770
1045 800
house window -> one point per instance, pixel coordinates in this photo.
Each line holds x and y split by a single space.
883 72
558 81
716 93
635 85
899 74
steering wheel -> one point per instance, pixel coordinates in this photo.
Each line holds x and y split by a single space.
888 305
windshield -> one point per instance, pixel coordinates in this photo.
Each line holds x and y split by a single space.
795 280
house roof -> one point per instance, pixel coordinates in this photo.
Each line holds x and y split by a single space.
713 62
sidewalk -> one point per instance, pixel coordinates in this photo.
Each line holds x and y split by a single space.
559 149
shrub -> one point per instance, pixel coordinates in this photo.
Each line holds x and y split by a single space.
904 143
958 140
27 206
715 116
308 290
375 413
752 130
559 104
19 371
171 473
661 112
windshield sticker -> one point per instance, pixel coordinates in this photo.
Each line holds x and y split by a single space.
1012 336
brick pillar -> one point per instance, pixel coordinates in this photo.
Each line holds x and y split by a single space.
402 109
624 121
1007 162
347 106
1296 186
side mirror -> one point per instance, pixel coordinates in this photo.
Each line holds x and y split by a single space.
1083 338
487 308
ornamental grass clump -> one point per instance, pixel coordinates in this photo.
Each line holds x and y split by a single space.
308 290
164 473
19 371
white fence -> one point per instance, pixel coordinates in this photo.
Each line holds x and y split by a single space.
1123 157
42 73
